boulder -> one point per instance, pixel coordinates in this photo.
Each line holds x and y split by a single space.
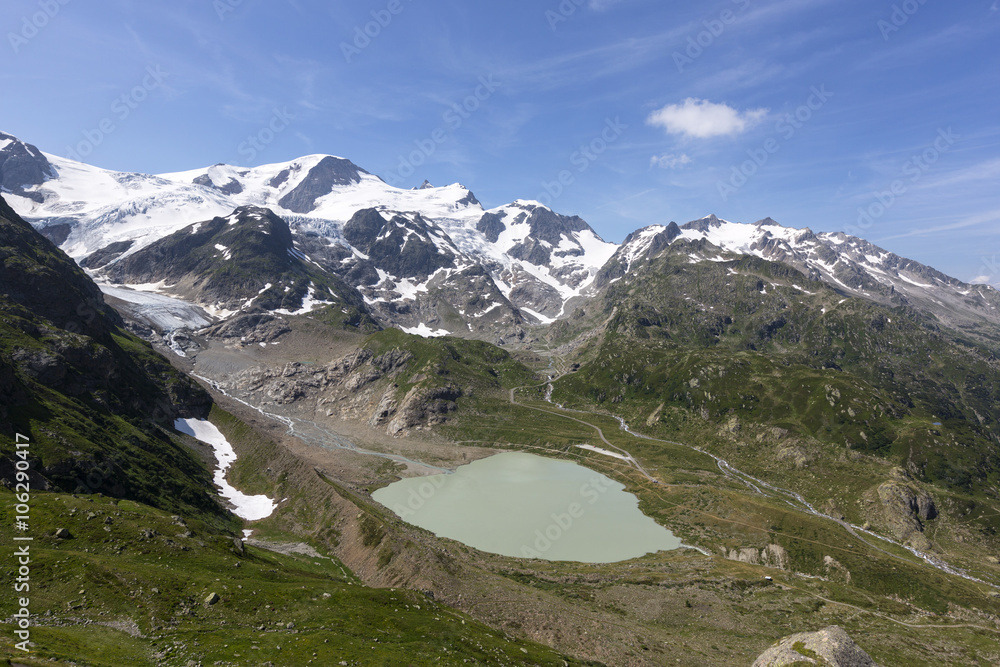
830 647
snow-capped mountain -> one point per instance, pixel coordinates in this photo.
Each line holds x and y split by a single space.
430 260
535 258
847 263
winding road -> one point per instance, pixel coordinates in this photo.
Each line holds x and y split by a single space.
793 499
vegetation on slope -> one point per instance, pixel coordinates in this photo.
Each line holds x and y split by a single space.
96 402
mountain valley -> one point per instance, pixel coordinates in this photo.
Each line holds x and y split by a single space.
813 416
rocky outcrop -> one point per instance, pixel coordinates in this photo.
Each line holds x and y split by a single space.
829 647
835 570
98 400
328 172
403 246
491 225
22 165
900 507
105 255
251 329
425 406
360 386
773 555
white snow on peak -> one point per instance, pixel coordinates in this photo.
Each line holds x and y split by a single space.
733 236
640 244
425 331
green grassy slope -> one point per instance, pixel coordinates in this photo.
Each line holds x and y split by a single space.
130 588
96 402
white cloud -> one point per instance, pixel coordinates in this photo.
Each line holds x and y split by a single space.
669 161
703 119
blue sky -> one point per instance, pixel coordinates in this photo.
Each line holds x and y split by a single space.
625 112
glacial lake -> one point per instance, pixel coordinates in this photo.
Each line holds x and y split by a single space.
528 506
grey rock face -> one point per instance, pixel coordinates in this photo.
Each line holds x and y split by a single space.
905 508
830 647
233 187
329 172
491 225
22 165
400 246
106 255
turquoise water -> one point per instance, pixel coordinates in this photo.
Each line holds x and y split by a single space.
529 506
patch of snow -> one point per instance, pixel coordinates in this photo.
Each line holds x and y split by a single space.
251 508
913 282
538 316
309 303
425 331
150 287
489 310
640 244
606 452
215 311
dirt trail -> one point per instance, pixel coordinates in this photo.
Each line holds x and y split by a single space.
800 503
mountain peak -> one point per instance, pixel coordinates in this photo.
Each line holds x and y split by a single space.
529 204
328 173
22 165
704 224
768 222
